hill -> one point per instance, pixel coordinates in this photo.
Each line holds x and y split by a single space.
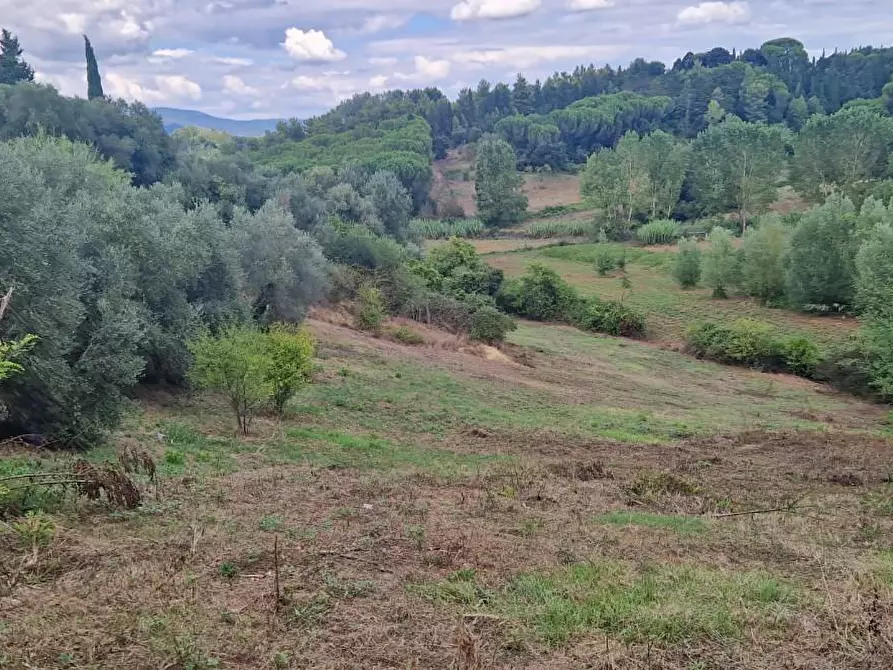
179 118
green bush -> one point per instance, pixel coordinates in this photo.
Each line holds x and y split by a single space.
665 231
687 268
605 261
558 228
610 317
406 335
490 326
801 355
370 311
540 294
290 352
721 267
437 229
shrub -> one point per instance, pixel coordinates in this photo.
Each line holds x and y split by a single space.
763 273
540 294
720 263
435 229
687 269
290 352
437 310
490 326
406 335
610 317
604 261
558 228
236 363
370 310
801 356
665 231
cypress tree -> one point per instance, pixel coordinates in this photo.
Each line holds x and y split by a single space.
94 81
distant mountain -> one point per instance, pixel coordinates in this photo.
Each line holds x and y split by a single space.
179 118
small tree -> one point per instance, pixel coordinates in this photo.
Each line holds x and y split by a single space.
13 67
763 271
370 310
490 326
290 363
720 263
236 363
497 185
687 269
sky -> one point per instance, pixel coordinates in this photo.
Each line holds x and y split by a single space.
297 58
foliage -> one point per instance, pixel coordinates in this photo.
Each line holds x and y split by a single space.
406 335
490 326
370 310
611 317
13 68
874 271
290 353
720 271
540 294
557 228
10 351
456 270
442 229
94 81
605 260
755 344
763 261
497 185
664 231
820 264
736 165
687 268
392 202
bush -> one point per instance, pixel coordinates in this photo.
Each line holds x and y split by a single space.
435 229
437 310
720 263
801 356
610 317
558 228
763 272
490 326
540 294
664 231
290 352
370 311
687 269
604 261
406 335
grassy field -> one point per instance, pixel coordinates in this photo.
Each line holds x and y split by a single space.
668 309
580 502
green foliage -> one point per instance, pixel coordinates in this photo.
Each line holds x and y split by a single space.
610 317
763 263
540 294
490 326
737 165
442 229
687 268
664 231
721 271
558 228
497 185
370 310
456 270
605 260
13 68
392 203
94 81
290 351
754 344
406 335
874 271
821 260
10 351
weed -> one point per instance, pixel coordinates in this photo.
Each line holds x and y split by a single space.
34 532
227 570
310 612
271 524
648 485
417 535
337 587
174 457
281 659
685 525
406 335
461 589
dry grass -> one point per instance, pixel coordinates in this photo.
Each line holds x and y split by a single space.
424 507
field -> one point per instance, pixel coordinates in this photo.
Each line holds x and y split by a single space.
668 309
572 501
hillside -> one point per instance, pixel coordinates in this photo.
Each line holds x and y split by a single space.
180 118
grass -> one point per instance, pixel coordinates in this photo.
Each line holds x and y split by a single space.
667 604
686 525
669 310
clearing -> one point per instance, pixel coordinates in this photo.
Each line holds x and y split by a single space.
581 501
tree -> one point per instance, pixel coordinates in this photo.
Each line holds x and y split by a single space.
687 269
821 268
392 203
720 263
498 193
887 95
664 162
290 362
737 165
841 151
874 272
10 351
763 267
13 67
798 113
94 81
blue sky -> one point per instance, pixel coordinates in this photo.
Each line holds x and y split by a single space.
272 58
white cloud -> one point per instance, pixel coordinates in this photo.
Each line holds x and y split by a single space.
378 81
238 62
469 10
172 53
589 5
383 60
529 56
121 87
714 12
177 87
432 69
76 24
306 83
379 22
233 84
312 45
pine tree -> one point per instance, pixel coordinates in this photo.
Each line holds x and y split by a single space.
13 67
94 81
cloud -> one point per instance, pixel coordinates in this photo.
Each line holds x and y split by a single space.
175 86
237 62
380 22
312 46
172 53
306 83
432 69
469 10
714 12
233 84
589 5
76 24
378 81
523 57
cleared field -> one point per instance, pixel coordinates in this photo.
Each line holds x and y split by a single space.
582 502
669 310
